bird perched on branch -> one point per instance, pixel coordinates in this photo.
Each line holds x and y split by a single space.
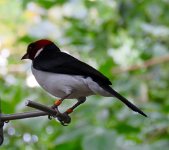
66 77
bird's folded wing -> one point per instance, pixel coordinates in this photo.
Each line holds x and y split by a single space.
59 62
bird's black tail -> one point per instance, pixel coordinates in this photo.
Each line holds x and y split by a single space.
123 99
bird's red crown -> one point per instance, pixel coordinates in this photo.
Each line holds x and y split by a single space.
42 42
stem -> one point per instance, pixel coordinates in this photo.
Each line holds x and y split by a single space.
8 117
145 64
41 107
44 110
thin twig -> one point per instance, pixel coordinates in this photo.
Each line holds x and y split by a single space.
8 117
44 110
146 64
41 107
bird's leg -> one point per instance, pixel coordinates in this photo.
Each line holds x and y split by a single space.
56 104
80 101
65 118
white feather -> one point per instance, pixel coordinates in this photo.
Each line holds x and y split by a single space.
38 52
61 85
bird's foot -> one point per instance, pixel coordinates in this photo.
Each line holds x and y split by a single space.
64 119
50 117
57 112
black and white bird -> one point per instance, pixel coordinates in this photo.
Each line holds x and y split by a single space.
66 77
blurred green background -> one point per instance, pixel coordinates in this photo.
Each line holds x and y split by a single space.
127 40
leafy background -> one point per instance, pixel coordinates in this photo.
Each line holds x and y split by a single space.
127 40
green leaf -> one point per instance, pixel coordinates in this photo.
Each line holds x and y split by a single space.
100 141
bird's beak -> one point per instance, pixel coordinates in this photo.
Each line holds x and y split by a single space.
26 56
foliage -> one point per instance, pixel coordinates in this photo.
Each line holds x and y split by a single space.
107 34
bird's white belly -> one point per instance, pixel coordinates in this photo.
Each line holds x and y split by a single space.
61 85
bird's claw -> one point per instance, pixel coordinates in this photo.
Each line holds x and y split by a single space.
57 111
63 124
50 117
64 119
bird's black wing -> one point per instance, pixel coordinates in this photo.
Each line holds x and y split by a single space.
60 62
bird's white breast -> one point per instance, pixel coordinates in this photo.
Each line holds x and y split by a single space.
61 85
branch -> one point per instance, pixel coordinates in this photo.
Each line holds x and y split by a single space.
146 64
44 110
8 117
41 107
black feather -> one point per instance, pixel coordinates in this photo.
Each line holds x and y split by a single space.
123 99
51 60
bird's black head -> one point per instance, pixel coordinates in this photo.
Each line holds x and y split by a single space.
35 48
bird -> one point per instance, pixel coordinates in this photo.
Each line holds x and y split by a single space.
66 77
